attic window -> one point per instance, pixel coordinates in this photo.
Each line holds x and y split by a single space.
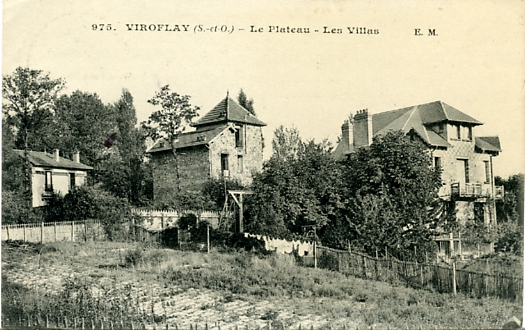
201 138
161 144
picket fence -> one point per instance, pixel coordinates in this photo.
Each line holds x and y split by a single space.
421 275
45 232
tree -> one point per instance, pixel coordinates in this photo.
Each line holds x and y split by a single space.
82 123
287 143
123 170
295 191
507 208
171 119
391 190
245 102
30 96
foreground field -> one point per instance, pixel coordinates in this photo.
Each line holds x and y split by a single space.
159 286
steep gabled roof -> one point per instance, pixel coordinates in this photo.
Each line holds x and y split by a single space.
228 111
38 158
201 137
410 118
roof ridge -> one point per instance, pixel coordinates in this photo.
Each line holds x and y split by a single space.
443 108
408 119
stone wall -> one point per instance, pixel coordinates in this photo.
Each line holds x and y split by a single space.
250 151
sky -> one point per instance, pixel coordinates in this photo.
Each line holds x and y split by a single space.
311 81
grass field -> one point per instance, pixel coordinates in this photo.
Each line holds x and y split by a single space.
150 285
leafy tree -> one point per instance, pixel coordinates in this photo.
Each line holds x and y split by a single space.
122 172
293 192
29 96
507 209
82 123
390 191
287 143
170 120
245 102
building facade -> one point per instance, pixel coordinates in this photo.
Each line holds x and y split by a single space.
53 174
465 159
226 144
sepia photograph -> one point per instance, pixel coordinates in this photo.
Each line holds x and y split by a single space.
233 165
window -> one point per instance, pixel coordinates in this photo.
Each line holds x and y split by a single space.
458 132
49 181
487 172
239 137
469 134
437 162
224 162
72 182
465 165
240 164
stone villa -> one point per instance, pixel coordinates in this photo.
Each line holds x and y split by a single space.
227 144
465 159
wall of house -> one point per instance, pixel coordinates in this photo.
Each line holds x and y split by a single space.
60 180
194 169
251 153
452 169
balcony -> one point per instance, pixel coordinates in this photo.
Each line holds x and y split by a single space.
469 190
474 190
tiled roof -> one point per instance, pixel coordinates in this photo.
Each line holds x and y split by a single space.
438 111
38 158
406 119
228 111
190 139
488 143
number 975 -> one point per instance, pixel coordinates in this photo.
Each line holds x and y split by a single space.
101 27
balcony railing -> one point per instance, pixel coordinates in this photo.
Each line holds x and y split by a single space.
475 190
468 190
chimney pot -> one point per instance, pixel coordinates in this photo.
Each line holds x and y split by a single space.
76 157
57 155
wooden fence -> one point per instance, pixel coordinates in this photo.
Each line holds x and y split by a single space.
45 232
421 275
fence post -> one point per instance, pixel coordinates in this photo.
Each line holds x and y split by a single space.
72 231
454 278
55 229
7 228
24 233
208 237
42 233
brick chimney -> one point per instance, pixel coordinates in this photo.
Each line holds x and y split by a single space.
362 128
347 130
76 157
57 155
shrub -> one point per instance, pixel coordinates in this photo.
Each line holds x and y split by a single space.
84 203
15 209
134 257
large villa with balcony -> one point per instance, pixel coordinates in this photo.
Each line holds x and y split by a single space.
465 159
